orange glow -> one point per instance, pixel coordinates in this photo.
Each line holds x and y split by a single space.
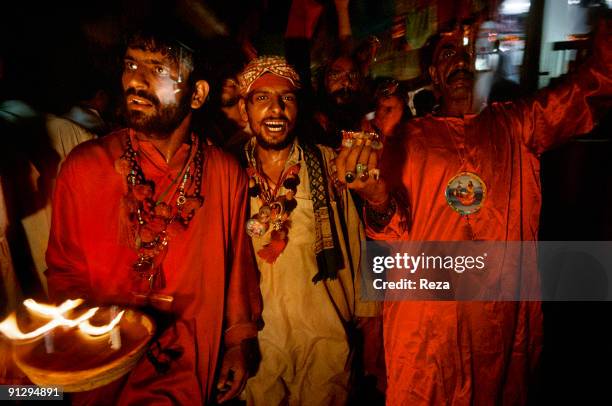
87 328
49 310
10 328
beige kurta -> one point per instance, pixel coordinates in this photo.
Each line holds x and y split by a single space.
304 344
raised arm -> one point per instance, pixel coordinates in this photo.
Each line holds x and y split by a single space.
555 114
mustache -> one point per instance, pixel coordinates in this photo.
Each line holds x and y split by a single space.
280 117
461 71
142 94
343 92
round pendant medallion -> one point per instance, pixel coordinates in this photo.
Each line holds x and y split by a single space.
256 228
466 193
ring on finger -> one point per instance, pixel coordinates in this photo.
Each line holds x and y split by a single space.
349 177
364 176
375 173
360 168
348 142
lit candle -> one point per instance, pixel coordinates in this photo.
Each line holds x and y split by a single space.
49 342
115 336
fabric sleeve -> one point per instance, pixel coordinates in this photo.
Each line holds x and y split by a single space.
67 273
554 115
243 303
393 231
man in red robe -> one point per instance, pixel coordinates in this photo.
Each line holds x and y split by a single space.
468 353
151 216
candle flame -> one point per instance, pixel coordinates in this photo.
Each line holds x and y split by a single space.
86 327
10 328
50 310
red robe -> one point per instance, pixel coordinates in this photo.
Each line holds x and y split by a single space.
475 353
208 268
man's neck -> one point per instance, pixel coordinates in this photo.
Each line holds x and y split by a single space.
456 108
272 161
167 145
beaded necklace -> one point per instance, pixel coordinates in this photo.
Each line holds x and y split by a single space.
154 223
272 219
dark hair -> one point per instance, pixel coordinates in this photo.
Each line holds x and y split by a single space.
387 87
176 41
426 53
227 63
339 55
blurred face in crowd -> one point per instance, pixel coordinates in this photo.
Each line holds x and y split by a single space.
230 96
453 69
389 111
156 101
342 81
271 108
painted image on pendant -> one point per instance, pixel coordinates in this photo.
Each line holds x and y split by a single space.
466 193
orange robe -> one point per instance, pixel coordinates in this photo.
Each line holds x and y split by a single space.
208 268
475 353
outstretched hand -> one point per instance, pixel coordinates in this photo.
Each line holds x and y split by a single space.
357 167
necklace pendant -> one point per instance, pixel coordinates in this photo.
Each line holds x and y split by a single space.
163 210
277 224
144 267
255 227
466 193
181 200
264 214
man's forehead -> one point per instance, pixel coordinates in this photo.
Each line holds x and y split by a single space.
272 84
342 63
392 100
280 89
149 56
460 36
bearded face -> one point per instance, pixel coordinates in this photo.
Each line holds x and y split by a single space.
156 102
272 112
343 81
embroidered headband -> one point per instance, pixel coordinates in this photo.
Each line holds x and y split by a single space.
275 65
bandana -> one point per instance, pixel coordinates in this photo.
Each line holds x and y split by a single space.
275 65
270 80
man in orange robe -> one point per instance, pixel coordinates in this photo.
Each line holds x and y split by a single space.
468 353
152 216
